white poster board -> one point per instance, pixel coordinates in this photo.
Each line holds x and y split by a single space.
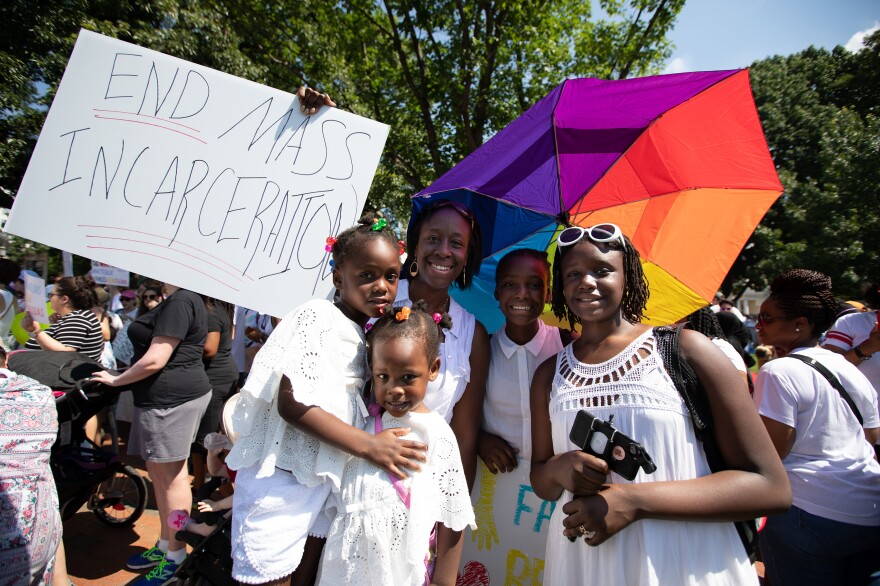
35 298
104 274
512 523
194 177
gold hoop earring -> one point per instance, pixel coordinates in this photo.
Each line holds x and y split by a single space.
414 269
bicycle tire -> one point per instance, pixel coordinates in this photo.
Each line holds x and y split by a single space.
120 500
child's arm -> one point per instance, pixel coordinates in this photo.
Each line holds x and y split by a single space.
216 466
385 449
449 547
578 472
208 505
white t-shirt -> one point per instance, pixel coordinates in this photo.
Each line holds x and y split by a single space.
851 330
506 409
831 465
731 353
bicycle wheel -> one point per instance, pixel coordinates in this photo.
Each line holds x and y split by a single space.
120 500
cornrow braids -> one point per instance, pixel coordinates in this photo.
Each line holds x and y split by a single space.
704 321
413 323
635 285
507 259
370 225
805 293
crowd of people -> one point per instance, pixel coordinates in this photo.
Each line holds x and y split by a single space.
358 422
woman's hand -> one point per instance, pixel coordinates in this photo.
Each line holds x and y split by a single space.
599 516
28 324
104 377
310 100
580 473
395 455
496 453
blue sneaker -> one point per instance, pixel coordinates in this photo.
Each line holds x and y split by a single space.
160 575
146 559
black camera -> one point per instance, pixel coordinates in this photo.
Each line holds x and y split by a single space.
624 455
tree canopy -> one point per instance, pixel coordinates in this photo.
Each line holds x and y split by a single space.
821 115
445 75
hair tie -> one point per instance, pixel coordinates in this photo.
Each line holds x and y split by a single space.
437 317
330 242
379 224
401 247
403 314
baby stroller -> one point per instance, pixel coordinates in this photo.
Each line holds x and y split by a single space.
84 473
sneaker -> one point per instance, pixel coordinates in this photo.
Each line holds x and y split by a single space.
160 575
146 559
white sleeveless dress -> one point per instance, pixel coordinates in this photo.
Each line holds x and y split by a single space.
634 387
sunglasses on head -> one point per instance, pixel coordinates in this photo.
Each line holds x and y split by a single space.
598 233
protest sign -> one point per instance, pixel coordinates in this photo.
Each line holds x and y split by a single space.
35 298
194 177
104 274
512 523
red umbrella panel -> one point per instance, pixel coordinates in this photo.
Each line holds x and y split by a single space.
678 161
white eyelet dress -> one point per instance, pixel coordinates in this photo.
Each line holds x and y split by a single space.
285 475
635 388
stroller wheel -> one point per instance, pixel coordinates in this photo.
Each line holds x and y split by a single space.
120 500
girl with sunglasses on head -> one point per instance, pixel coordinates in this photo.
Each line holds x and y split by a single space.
669 527
444 249
831 534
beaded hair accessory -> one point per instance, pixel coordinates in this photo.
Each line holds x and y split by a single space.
379 224
401 247
331 241
403 314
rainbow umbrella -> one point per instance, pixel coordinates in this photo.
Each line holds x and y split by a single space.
678 161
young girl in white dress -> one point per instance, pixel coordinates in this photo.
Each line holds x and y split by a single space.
300 414
670 527
383 528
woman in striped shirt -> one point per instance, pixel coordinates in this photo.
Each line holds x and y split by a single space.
78 329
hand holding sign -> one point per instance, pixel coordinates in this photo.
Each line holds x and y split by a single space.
35 301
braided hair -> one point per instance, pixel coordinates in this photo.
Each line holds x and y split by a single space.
635 284
414 323
704 321
370 225
475 242
805 293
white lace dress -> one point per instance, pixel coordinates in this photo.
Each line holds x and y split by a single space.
374 538
634 387
322 353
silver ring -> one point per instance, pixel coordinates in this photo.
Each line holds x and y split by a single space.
582 530
588 534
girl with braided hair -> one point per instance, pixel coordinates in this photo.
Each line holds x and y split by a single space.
384 526
300 414
669 527
831 533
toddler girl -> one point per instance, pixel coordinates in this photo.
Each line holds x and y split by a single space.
383 525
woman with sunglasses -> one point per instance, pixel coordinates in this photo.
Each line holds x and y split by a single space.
150 297
671 526
78 328
444 249
831 534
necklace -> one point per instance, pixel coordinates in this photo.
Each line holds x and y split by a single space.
445 307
